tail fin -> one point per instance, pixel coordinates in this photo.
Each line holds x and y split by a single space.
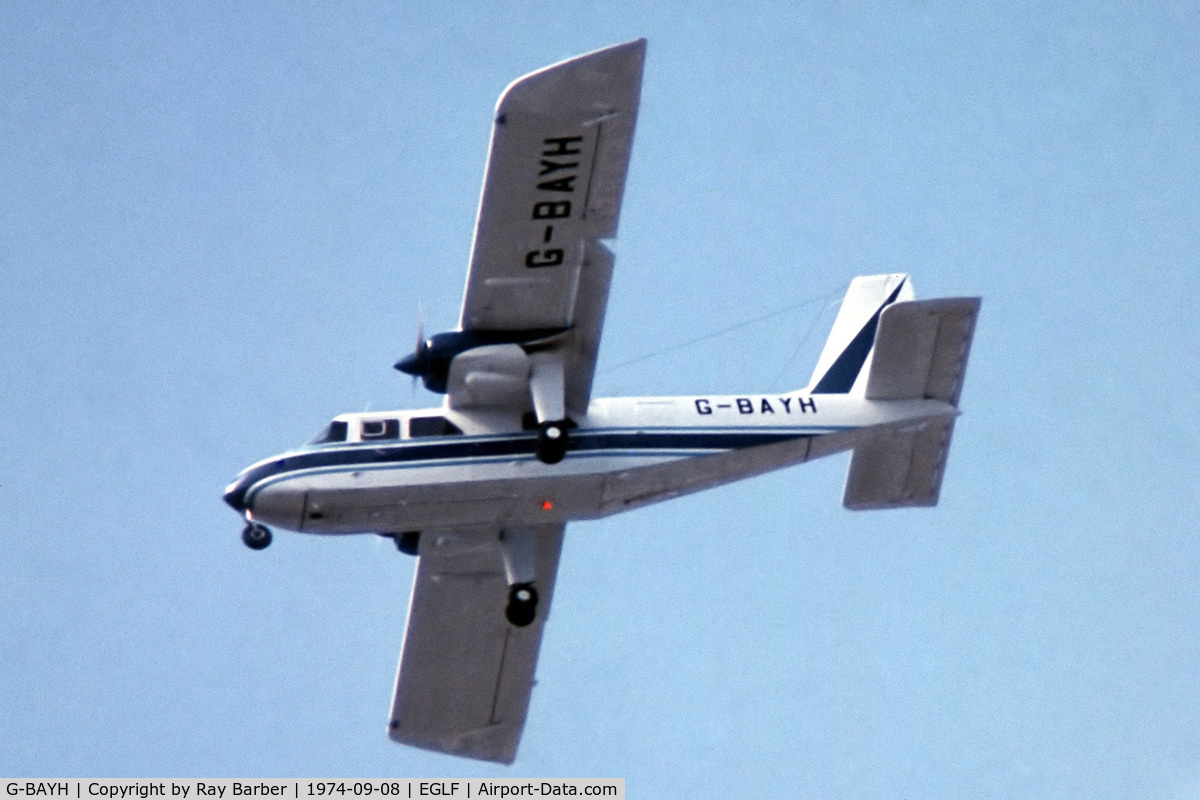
920 352
853 334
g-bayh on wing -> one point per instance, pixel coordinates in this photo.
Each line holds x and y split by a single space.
529 333
539 275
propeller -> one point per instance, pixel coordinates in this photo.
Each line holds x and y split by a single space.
422 350
417 362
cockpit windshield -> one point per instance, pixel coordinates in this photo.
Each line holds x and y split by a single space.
333 432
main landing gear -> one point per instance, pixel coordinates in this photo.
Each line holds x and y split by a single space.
517 552
408 542
522 604
551 442
518 549
256 536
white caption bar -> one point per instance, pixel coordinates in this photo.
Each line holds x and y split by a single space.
296 789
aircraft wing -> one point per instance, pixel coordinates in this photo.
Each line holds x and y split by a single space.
466 673
551 192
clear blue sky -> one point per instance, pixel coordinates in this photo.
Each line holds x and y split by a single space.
218 221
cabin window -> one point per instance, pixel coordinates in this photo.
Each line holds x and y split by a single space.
333 432
381 429
432 426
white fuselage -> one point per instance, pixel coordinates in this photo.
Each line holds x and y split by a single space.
626 453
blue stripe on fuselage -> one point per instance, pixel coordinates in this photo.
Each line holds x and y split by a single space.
466 449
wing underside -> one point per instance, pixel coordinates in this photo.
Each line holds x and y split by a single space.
554 180
552 193
466 673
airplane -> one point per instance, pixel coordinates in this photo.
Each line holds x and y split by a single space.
481 489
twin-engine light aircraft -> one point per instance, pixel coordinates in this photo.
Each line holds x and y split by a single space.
481 489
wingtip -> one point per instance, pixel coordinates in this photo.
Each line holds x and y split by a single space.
626 57
631 46
496 743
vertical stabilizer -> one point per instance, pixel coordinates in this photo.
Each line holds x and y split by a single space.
853 334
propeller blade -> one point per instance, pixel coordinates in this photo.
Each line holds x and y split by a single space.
421 332
416 363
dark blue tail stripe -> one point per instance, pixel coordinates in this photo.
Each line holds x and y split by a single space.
844 371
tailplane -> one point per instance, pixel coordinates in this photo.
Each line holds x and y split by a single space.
887 346
920 353
921 350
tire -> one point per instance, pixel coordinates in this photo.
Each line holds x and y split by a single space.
408 542
551 444
522 604
256 537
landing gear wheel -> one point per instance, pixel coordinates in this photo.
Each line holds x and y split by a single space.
522 604
256 536
551 442
408 542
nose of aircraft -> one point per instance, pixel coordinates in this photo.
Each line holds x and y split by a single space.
235 496
279 502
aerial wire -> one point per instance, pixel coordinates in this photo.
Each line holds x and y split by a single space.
811 327
825 298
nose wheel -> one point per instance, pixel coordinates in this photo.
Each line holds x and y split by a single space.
256 536
522 604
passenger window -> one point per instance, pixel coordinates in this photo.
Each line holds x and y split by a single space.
334 432
432 426
381 429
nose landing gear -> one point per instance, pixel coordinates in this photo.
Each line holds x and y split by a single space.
256 536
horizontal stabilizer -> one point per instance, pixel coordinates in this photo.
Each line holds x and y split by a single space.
921 349
899 467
